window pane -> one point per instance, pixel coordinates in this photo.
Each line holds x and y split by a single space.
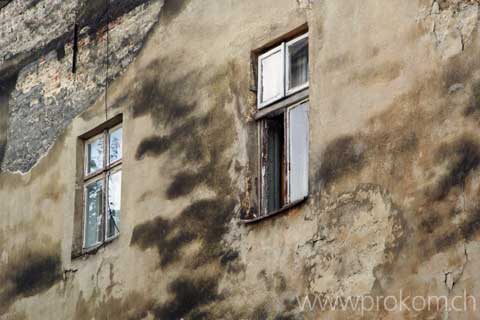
115 141
274 177
272 76
93 219
94 155
297 63
113 203
298 134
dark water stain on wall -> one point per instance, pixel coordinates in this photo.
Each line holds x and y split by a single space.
28 273
185 182
153 145
188 294
204 220
430 223
398 151
172 8
161 98
341 157
462 156
177 141
197 138
474 108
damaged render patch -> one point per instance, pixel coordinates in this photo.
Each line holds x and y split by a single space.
360 232
452 24
47 97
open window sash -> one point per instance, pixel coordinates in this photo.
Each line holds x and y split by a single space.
298 146
271 76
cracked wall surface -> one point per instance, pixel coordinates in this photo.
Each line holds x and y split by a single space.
393 209
452 23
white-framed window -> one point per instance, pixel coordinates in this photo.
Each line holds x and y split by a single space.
283 71
296 64
102 187
284 158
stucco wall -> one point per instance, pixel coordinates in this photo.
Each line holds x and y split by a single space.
394 163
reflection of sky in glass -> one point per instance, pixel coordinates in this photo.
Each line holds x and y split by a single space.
114 198
115 145
95 155
93 215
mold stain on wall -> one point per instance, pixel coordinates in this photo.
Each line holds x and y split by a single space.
400 184
30 270
401 151
198 140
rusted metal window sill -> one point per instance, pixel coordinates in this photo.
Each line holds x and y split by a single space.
274 213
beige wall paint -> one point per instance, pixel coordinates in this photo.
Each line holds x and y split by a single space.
393 172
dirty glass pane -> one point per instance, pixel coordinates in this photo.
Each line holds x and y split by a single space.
297 55
298 135
113 203
94 150
115 140
93 211
272 75
274 164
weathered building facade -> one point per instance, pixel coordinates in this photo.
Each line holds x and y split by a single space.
392 206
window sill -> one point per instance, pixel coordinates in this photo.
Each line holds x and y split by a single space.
278 106
274 213
93 250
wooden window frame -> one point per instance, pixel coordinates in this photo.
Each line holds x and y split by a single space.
281 105
287 203
102 174
281 49
286 92
290 91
